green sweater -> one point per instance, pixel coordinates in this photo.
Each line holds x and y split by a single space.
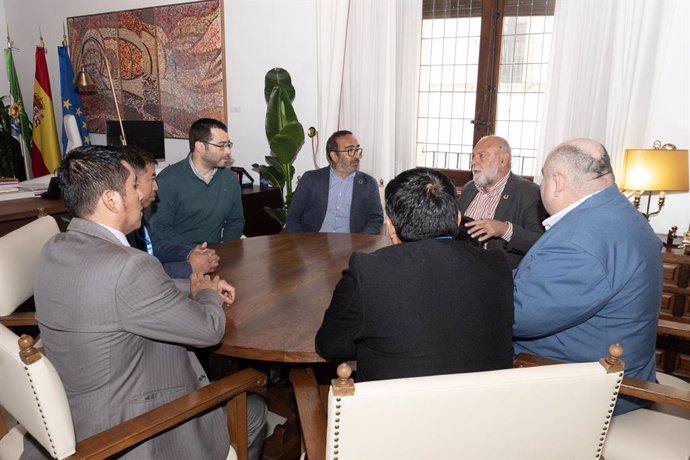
190 211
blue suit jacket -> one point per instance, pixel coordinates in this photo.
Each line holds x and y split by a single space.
310 201
593 279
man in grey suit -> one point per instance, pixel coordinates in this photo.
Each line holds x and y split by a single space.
116 327
505 210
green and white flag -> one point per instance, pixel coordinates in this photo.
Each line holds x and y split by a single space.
21 127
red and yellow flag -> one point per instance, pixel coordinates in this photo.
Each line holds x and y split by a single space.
45 149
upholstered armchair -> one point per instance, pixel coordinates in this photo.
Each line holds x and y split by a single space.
32 394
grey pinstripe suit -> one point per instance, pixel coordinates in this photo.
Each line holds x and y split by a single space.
116 326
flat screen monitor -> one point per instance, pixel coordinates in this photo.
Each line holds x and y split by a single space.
146 134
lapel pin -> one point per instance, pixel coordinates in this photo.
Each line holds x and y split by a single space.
506 196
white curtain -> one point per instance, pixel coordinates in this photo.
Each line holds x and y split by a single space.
601 80
368 69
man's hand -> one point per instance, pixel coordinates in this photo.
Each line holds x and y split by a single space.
202 259
486 228
199 282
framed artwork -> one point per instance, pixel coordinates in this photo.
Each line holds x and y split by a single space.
167 63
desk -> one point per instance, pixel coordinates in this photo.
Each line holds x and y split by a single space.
284 284
17 213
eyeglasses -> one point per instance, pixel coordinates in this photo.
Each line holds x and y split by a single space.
221 146
352 152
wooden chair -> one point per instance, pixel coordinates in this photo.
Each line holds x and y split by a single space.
548 412
19 253
32 393
661 431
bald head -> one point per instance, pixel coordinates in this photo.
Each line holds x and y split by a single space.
490 161
573 170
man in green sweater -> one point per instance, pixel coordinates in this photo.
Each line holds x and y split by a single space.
199 198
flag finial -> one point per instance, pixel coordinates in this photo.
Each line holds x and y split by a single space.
64 37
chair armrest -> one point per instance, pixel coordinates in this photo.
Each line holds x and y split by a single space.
19 318
145 426
312 416
630 386
656 392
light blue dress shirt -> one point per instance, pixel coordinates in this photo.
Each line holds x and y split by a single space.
339 203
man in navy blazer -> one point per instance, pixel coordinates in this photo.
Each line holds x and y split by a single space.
506 209
337 198
595 277
178 260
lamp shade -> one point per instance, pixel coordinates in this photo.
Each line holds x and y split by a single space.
655 170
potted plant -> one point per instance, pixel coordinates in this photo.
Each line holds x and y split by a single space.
285 136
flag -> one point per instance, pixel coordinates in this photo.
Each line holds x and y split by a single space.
45 151
21 128
71 102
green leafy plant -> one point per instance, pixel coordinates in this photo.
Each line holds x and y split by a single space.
6 141
285 136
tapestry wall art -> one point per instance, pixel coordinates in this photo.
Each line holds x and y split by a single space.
167 63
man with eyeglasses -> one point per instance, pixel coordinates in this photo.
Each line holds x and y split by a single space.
504 210
199 198
339 197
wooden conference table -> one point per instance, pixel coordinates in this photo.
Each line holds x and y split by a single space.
284 284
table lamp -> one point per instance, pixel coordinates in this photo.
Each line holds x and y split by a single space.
661 169
86 85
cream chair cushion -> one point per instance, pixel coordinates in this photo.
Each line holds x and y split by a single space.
19 253
659 432
548 412
33 394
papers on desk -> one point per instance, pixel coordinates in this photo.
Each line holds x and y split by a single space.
6 196
37 185
12 189
8 185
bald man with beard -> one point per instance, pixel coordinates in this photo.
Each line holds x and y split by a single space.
505 209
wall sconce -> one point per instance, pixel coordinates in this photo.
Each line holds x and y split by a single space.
662 169
86 85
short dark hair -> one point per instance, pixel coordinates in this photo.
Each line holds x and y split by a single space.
86 172
420 204
201 130
332 142
138 157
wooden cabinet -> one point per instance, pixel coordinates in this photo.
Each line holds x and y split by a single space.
673 341
256 221
17 213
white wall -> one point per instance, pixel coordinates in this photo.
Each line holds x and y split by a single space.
670 117
259 35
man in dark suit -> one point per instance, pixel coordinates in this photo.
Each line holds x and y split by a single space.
179 260
506 209
339 197
429 304
116 327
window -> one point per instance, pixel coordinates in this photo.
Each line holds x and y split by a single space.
469 49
